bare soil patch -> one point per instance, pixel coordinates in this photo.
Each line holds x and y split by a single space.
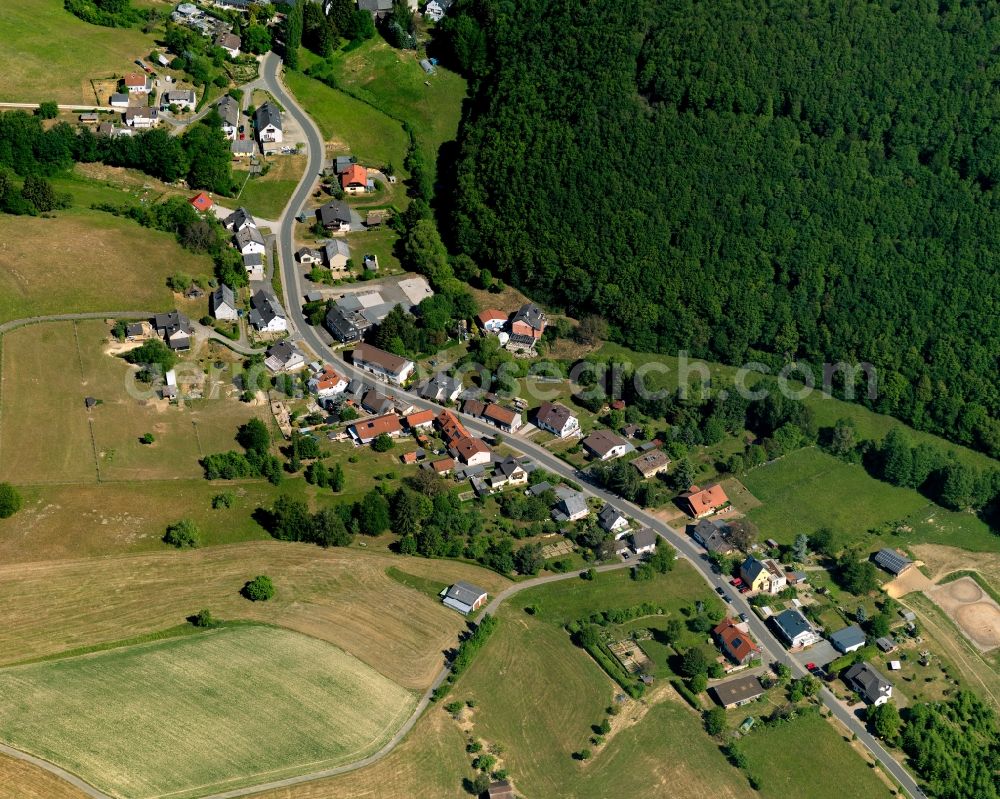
972 609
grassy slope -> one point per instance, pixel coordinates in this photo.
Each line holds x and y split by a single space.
268 195
193 712
809 489
48 54
85 260
808 751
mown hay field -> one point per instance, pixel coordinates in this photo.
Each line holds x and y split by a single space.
192 715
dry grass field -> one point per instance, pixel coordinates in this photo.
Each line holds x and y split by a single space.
192 715
340 596
84 260
20 780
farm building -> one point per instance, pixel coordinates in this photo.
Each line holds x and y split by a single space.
464 597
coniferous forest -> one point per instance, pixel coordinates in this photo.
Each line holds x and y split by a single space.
808 179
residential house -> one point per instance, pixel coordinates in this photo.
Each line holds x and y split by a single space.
141 116
441 388
137 83
184 99
364 432
632 430
849 639
735 642
201 202
794 629
491 320
138 331
224 304
229 42
347 326
337 253
254 264
473 407
508 472
119 100
229 111
644 541
557 419
378 402
249 241
571 508
869 683
354 179
266 313
527 325
282 356
238 220
471 451
700 502
451 428
651 463
419 420
327 383
379 9
242 148
605 445
613 520
504 418
892 561
433 11
335 216
713 535
443 466
175 329
464 597
738 692
382 364
764 576
267 123
308 256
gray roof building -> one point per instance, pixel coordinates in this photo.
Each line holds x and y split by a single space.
334 214
848 639
223 298
229 110
644 540
892 561
464 597
239 218
265 308
739 691
869 682
248 235
268 114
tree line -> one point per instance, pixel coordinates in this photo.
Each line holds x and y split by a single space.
748 182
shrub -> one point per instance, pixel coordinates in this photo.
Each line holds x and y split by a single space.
147 438
182 534
223 500
10 500
259 589
204 618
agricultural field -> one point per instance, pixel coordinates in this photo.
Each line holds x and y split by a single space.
84 260
20 780
349 125
809 489
267 195
342 596
201 713
48 54
808 751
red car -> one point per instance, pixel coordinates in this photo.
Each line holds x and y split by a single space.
736 582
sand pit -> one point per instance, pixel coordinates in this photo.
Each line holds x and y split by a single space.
972 609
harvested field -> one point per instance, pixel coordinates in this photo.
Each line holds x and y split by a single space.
341 596
972 609
20 780
192 715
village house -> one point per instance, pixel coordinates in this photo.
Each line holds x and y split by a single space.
242 148
700 502
849 639
238 220
763 576
141 116
223 303
464 597
254 264
201 202
613 520
503 418
364 432
283 356
644 541
377 402
571 508
473 407
119 100
651 463
379 9
266 313
267 123
229 42
354 179
491 320
527 325
229 111
434 11
738 692
508 472
346 325
451 428
382 364
327 383
443 466
557 419
441 388
735 642
137 83
713 535
336 253
307 256
471 451
249 241
873 688
335 216
183 99
421 420
175 329
606 445
794 629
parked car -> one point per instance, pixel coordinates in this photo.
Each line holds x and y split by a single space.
720 590
727 599
744 617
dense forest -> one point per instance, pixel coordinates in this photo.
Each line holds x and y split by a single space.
775 181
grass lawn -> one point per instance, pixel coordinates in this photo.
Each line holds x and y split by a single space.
381 243
430 587
808 751
393 80
809 489
84 260
48 54
200 713
266 196
349 125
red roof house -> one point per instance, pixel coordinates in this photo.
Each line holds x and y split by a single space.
699 502
354 179
735 643
201 201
